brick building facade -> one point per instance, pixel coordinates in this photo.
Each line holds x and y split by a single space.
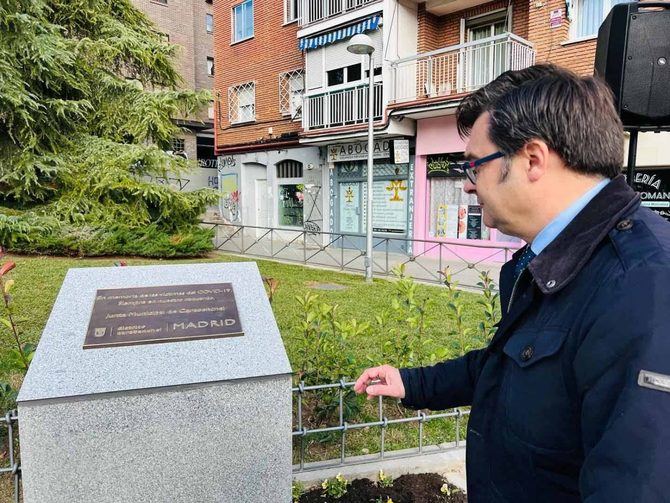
427 56
189 24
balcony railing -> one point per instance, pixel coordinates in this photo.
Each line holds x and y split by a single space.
341 107
459 68
314 11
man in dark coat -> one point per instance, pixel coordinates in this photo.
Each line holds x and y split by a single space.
571 399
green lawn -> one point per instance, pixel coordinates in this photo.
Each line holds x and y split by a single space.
38 279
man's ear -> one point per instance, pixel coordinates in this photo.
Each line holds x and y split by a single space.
536 153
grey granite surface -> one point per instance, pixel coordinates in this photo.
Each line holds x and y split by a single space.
209 443
62 368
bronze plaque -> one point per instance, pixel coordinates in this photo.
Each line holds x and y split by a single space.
128 316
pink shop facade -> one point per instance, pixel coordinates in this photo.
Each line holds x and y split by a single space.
447 220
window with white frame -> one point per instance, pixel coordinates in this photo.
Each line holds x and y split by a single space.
292 10
243 21
242 103
209 23
291 88
588 15
210 66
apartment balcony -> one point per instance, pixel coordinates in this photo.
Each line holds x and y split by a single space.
458 69
342 106
315 11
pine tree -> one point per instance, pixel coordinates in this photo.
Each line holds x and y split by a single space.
88 90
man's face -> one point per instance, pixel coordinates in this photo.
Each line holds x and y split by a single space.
496 194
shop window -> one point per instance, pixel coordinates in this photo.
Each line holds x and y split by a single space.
291 199
454 213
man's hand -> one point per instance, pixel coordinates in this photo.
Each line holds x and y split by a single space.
388 382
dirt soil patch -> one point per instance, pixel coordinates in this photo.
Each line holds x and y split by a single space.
412 488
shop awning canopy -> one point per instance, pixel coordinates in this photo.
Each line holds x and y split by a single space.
370 24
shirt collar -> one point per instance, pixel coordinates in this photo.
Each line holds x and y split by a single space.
556 226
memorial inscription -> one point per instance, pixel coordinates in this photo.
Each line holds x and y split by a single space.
128 316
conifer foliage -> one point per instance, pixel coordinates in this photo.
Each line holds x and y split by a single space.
88 90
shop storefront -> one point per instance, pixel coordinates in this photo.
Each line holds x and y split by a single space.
275 188
444 212
392 201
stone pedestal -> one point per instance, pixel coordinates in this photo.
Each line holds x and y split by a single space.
185 421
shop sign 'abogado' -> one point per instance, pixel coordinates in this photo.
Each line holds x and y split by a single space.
358 151
129 316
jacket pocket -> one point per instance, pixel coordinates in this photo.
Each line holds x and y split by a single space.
538 408
529 347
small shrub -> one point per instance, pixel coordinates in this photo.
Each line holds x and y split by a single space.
384 480
336 487
297 488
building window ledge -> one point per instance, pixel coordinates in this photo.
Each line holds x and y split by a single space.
245 123
241 40
580 39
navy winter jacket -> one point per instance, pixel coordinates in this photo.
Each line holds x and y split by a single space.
571 399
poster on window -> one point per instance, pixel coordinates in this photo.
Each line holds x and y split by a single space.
350 207
462 220
474 226
654 189
447 221
389 206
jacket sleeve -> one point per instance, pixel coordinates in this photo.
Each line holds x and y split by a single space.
442 386
625 433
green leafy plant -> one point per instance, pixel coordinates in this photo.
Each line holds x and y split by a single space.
406 323
448 490
17 358
297 489
84 131
490 304
384 480
336 487
462 340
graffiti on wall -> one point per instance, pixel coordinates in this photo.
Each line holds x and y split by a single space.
313 216
176 183
230 198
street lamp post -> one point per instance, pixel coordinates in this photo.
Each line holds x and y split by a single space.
362 44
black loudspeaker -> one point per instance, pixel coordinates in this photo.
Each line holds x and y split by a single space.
633 56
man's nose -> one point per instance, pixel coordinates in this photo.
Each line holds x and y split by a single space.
469 187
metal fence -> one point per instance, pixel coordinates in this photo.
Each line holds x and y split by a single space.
424 260
9 433
300 432
383 423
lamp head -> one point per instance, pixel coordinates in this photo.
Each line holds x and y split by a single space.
360 44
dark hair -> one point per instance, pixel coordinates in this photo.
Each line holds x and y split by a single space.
574 115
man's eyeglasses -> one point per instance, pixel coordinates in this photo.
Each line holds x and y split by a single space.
470 167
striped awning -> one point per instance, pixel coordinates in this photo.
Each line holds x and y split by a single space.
331 37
